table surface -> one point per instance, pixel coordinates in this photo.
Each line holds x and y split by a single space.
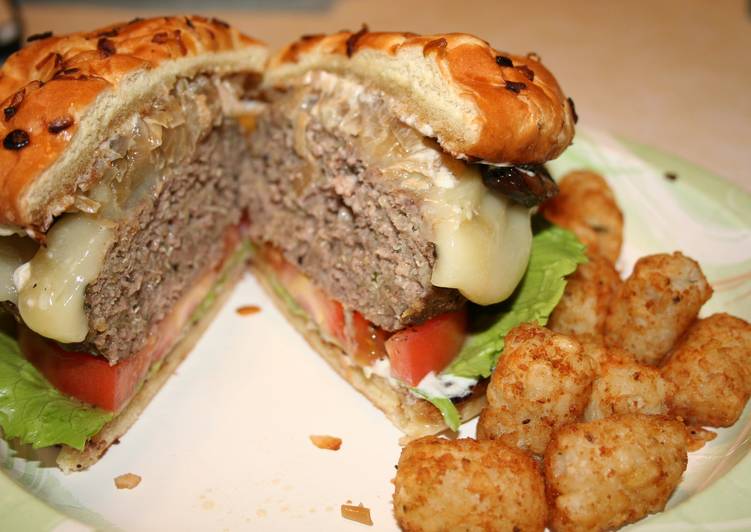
673 74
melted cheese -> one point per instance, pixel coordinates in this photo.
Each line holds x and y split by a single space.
482 239
49 289
51 285
14 251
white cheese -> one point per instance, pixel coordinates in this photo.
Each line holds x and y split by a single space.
482 242
14 251
130 165
51 285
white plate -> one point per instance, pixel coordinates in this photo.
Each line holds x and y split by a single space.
225 446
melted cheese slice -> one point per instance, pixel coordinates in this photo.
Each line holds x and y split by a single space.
14 251
482 241
51 285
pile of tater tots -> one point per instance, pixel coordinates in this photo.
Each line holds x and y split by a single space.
589 420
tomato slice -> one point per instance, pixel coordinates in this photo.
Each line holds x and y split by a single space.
328 314
430 346
413 352
366 343
88 378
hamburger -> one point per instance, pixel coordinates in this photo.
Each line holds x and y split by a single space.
124 184
394 178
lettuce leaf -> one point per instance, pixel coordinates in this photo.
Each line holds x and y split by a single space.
444 405
32 410
555 254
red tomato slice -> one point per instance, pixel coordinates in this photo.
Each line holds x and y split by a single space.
414 352
86 377
327 313
430 346
366 342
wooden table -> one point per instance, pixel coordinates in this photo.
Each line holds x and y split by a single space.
674 74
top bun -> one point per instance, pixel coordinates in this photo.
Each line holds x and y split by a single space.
477 102
62 96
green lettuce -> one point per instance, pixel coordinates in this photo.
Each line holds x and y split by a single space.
32 410
449 412
555 254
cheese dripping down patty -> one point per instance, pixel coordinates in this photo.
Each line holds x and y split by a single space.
51 285
48 283
482 239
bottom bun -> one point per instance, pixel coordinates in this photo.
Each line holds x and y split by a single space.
414 416
70 459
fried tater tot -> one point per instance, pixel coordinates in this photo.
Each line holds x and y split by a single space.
468 485
604 474
594 347
711 370
585 204
627 387
584 305
542 381
656 305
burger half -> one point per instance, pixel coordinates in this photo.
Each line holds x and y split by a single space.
394 180
124 181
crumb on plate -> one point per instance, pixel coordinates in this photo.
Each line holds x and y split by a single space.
331 443
359 513
247 310
128 481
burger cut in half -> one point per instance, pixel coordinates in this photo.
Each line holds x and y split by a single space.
124 177
394 180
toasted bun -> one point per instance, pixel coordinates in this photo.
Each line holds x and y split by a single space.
61 96
412 415
478 103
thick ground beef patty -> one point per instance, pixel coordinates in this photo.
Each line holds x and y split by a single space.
165 244
358 236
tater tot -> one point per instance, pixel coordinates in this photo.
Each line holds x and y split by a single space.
543 380
656 305
585 205
711 370
584 305
468 485
604 474
594 347
627 387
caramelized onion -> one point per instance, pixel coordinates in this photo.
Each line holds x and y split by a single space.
137 156
87 205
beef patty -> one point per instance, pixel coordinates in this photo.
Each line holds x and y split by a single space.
165 243
358 236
